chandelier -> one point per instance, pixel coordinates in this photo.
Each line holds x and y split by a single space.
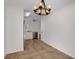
42 9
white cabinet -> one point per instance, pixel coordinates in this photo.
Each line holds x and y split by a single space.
28 35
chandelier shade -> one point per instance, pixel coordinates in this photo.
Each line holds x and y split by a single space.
42 9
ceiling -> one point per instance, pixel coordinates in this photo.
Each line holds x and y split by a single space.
28 4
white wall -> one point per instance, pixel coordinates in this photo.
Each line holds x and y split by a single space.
58 29
31 26
13 29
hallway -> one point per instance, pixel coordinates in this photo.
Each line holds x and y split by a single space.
37 49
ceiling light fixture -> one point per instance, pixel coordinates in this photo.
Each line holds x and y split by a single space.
27 14
42 9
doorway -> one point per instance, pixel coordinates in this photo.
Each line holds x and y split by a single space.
35 35
32 26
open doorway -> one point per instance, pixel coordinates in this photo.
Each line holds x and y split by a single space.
31 26
35 35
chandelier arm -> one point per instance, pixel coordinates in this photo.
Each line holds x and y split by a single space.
43 3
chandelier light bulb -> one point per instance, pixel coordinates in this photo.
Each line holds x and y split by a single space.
49 6
39 11
47 11
40 4
35 7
